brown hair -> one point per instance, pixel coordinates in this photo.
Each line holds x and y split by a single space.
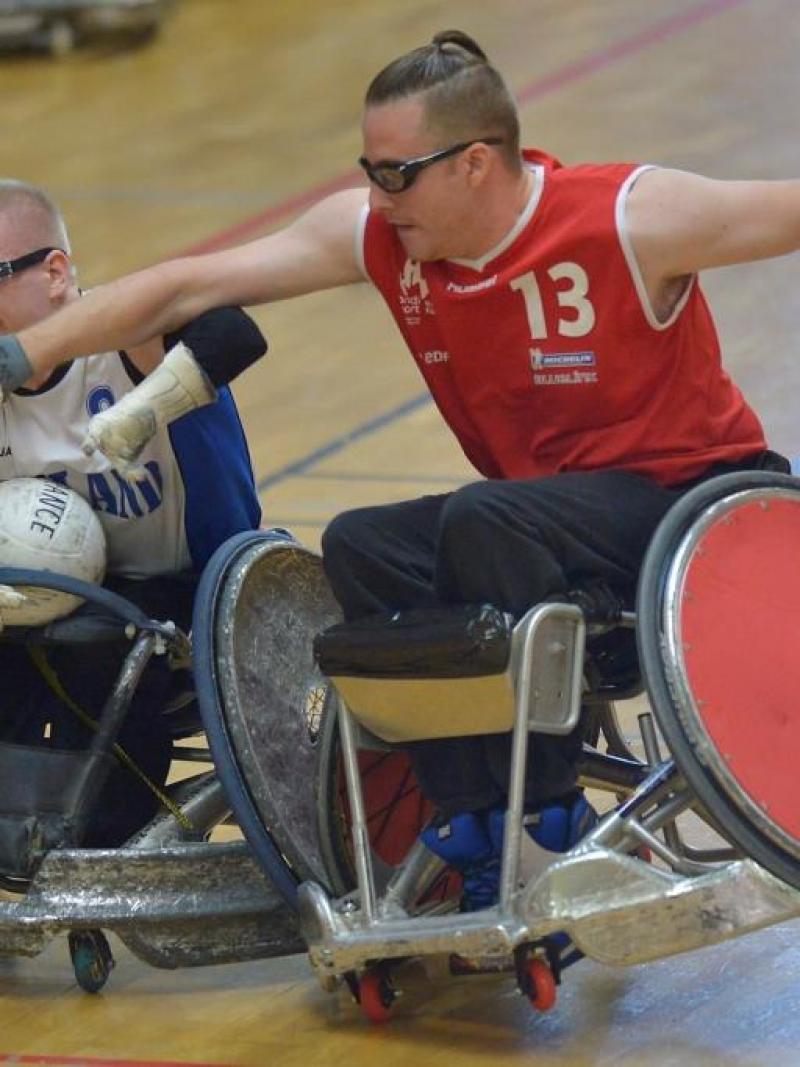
464 95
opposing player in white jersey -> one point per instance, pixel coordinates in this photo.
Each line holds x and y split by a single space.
193 488
198 484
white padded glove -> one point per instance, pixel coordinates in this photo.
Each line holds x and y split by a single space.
178 385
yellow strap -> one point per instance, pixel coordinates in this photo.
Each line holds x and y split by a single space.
39 659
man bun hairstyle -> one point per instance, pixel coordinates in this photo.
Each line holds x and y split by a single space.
460 40
464 96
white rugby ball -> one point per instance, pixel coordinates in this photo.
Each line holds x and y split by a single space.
45 526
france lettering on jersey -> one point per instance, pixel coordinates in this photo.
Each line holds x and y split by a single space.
198 489
545 355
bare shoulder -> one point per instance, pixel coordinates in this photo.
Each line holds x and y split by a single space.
660 196
686 222
336 215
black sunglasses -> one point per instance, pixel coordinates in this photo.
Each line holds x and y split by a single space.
10 267
394 175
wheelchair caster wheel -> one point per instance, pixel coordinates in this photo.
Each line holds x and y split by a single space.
376 995
91 959
539 985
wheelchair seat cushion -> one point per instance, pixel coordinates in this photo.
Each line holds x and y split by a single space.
462 641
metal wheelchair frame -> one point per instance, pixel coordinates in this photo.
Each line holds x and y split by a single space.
615 907
174 898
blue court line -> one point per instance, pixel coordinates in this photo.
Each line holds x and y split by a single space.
290 522
337 444
342 476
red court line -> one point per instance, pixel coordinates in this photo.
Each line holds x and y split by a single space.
628 46
566 75
82 1061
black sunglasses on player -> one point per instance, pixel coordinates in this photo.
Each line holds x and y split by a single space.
10 267
395 175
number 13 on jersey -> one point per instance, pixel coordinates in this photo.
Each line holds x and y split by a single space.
573 296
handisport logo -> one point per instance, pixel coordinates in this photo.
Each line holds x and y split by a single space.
414 295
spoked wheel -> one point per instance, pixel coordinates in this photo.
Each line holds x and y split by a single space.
396 813
718 612
91 958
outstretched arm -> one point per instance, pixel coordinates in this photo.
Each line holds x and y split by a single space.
681 223
315 252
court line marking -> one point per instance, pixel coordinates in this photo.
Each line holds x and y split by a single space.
337 444
84 1061
571 72
568 74
414 476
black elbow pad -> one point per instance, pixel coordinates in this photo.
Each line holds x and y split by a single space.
224 341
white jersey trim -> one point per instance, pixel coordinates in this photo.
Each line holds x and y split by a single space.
630 257
523 220
360 237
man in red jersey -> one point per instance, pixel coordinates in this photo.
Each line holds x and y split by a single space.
555 315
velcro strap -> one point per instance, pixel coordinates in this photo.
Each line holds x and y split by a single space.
15 367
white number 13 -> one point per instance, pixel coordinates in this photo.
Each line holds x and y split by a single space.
575 297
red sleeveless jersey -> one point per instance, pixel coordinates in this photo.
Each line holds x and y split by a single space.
547 357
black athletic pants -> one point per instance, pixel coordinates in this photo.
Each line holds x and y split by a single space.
511 544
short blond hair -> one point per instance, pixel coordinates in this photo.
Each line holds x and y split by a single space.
33 207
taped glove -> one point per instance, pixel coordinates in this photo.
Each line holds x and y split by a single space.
178 385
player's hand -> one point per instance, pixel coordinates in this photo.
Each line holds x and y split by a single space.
120 433
10 598
176 387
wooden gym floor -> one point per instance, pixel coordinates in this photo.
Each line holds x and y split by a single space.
238 114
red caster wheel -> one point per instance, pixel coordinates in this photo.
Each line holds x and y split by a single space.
376 996
539 985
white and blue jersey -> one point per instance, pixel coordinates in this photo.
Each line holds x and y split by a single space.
199 488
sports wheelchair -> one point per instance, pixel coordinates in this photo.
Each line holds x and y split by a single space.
57 26
179 892
714 630
173 896
313 767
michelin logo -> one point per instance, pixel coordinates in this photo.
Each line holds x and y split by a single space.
563 368
561 359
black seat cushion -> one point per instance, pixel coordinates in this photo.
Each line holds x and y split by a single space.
462 641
